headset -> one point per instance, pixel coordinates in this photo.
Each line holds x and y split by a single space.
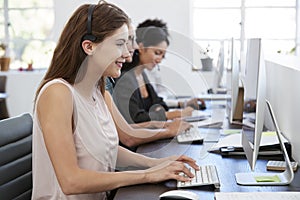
89 36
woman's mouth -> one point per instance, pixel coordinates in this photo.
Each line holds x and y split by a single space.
119 64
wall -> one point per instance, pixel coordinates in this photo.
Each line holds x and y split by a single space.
283 86
179 60
176 69
21 87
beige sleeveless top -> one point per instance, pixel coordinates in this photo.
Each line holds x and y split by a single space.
95 138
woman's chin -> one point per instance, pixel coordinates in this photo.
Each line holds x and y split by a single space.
150 68
116 75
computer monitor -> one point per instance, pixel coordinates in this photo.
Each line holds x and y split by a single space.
254 99
235 103
219 71
254 109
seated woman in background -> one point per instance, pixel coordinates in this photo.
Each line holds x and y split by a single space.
135 134
75 147
133 93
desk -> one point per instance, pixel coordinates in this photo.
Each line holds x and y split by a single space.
226 166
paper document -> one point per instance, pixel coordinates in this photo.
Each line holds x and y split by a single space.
197 116
235 140
257 195
208 123
214 118
214 96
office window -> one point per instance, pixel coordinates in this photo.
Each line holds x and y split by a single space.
25 26
272 20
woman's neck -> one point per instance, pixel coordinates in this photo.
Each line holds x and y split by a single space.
87 86
139 70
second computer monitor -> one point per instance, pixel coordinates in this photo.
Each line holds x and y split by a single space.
254 98
235 103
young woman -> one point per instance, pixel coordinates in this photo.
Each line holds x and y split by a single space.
75 141
133 94
135 134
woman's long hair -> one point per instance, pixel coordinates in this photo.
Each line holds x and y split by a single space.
68 55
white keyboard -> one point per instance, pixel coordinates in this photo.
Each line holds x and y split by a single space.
207 175
191 135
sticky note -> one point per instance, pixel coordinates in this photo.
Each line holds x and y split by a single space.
231 131
274 178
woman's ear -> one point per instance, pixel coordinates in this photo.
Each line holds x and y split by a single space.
141 47
87 47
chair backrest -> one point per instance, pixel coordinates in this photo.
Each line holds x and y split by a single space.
3 108
3 83
16 157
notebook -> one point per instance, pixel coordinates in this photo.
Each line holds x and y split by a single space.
257 195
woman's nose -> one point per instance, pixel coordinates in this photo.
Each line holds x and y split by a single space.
126 53
159 59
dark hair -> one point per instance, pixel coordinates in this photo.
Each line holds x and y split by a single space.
68 54
150 32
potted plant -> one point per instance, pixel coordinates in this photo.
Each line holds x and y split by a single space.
4 59
206 60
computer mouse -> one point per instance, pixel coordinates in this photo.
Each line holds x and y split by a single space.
179 194
201 104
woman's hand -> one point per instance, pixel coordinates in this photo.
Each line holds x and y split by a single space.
170 169
187 111
177 126
195 103
184 159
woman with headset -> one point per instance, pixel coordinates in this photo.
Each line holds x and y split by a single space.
133 93
132 135
75 140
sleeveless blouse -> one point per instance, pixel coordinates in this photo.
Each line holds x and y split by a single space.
96 142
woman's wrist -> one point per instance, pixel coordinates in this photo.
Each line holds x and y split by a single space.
152 162
173 114
182 104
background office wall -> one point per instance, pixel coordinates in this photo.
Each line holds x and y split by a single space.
283 86
283 76
175 70
21 87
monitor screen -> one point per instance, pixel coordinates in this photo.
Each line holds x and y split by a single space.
254 100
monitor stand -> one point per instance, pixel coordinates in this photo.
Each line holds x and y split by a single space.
283 178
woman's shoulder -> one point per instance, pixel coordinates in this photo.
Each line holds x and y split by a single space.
57 87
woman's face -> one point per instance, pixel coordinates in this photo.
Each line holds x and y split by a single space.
112 52
131 44
152 55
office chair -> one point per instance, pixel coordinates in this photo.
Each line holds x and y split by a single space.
16 157
3 95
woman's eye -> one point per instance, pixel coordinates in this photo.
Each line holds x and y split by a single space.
120 44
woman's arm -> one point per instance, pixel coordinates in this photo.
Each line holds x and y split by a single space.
133 137
128 99
128 158
149 124
179 113
55 110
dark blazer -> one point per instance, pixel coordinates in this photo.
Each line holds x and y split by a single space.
129 100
